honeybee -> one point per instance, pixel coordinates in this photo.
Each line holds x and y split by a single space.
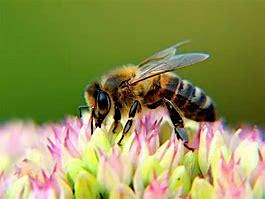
127 90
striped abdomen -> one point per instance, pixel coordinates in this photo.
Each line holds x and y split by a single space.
190 99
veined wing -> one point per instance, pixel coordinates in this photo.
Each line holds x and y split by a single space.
166 65
162 56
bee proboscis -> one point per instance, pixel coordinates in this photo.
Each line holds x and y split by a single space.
128 90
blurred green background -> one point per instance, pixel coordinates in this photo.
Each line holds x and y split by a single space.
50 49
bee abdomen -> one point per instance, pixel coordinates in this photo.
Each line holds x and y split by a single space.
193 102
165 86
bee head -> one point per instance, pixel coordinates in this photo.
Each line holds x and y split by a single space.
99 101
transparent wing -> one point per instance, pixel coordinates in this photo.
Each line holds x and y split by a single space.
166 65
162 55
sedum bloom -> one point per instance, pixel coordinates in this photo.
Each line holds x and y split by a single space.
65 161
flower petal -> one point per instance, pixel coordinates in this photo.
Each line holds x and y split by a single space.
156 190
201 189
90 158
190 161
179 182
20 188
86 185
247 152
259 188
122 191
100 140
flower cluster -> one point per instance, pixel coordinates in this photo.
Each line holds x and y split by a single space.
66 161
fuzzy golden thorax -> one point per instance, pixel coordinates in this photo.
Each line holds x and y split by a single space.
117 85
120 92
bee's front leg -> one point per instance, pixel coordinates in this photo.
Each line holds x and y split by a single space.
136 106
117 118
91 120
81 109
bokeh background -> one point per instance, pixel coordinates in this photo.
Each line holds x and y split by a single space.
50 49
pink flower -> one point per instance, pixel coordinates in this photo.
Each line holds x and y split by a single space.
64 160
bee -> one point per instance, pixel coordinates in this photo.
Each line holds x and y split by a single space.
128 90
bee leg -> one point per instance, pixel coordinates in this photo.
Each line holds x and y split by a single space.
136 106
155 104
81 108
175 118
91 121
117 118
177 122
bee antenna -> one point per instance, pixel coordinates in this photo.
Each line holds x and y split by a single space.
96 84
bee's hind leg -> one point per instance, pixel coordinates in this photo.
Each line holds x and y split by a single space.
175 118
177 122
136 106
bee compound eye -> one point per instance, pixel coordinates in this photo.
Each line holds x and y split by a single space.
103 101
